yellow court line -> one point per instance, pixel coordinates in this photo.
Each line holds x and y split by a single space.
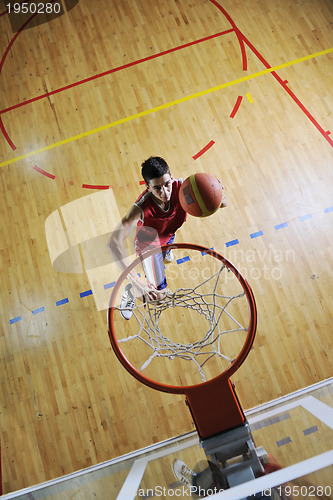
249 97
164 106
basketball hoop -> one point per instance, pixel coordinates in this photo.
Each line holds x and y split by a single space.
187 342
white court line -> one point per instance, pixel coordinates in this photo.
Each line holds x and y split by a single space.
135 475
319 410
272 413
277 478
314 406
289 397
133 480
261 484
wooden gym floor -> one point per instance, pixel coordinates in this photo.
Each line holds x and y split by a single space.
240 89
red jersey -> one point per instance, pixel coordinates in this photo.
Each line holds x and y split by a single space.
156 225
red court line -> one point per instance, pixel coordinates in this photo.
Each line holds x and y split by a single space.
3 13
8 139
236 107
16 35
92 186
239 34
5 54
242 38
283 83
203 150
114 70
41 171
10 142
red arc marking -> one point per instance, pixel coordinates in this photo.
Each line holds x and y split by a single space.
236 107
203 150
41 171
93 186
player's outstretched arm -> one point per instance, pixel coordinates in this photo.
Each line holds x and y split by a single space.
117 250
115 244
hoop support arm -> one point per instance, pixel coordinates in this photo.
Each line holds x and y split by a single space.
214 407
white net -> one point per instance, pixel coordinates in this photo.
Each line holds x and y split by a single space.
196 341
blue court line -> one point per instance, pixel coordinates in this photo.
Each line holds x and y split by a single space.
270 421
231 243
62 302
15 320
184 259
112 284
39 310
179 261
283 441
255 235
281 226
305 217
109 285
310 430
204 253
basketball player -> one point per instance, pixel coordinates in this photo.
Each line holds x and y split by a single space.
157 214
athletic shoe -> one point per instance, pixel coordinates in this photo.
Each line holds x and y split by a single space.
183 473
169 257
127 302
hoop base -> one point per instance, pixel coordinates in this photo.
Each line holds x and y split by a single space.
235 457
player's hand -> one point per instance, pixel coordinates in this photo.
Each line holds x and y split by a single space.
151 293
146 290
224 201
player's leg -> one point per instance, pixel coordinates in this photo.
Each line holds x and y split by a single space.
168 255
153 267
155 273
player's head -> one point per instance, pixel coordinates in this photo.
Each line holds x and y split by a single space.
157 176
153 168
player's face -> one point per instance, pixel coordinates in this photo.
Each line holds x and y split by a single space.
161 187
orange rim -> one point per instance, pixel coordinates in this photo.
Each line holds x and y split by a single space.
234 365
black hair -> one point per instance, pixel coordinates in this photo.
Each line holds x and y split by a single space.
154 167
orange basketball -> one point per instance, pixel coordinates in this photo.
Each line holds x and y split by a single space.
200 195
